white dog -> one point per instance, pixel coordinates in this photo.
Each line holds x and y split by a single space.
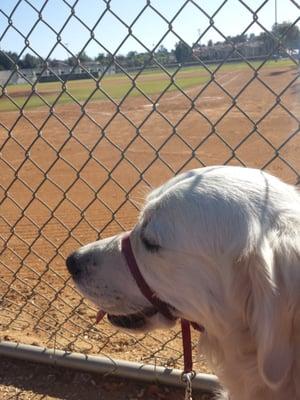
221 246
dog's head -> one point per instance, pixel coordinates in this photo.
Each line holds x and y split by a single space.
176 258
202 243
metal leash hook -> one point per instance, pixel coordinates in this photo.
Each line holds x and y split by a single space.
187 378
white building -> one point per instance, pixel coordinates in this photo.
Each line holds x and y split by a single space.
61 69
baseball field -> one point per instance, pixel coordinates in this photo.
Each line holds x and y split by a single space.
80 170
151 82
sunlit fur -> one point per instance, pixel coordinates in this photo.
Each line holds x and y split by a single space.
229 259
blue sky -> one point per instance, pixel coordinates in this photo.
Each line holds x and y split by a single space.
232 19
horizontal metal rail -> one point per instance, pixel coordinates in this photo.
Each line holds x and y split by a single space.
105 365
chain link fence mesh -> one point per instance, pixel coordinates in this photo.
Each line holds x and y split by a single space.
77 157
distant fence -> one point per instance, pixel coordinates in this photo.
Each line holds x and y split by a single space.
75 169
68 77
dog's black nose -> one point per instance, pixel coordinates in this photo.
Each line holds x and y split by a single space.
73 265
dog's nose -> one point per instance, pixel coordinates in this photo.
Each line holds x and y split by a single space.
73 265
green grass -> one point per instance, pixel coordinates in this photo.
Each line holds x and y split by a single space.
151 82
116 86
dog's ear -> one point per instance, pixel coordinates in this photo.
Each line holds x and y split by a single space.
269 319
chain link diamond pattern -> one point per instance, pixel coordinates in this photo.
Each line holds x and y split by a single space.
77 167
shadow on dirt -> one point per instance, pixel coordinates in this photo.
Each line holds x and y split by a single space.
28 381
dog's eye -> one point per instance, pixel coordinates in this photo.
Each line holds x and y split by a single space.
150 246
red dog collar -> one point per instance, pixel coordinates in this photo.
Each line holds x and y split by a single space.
161 306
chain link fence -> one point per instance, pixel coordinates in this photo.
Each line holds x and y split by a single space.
78 156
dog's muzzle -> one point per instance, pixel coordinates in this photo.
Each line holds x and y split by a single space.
138 320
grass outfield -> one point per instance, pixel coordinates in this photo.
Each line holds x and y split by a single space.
151 82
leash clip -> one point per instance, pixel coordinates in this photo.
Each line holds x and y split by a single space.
187 378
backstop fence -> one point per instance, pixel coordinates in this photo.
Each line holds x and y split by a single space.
78 156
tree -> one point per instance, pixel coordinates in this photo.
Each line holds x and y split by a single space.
210 43
54 63
162 55
121 60
100 58
30 61
8 60
238 39
82 57
268 42
183 52
162 50
131 59
288 33
131 55
72 61
105 59
285 32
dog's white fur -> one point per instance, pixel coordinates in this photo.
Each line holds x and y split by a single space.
229 259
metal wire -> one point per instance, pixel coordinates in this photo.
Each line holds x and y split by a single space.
75 169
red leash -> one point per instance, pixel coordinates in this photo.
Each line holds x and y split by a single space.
187 345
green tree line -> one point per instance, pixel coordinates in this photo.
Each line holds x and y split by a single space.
288 34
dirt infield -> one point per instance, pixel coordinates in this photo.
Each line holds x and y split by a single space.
61 189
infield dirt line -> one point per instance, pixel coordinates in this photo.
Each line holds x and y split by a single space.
223 83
